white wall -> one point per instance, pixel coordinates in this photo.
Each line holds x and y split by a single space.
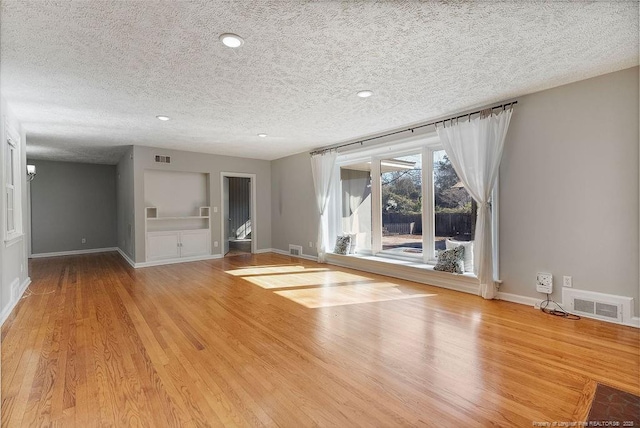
568 190
143 159
13 257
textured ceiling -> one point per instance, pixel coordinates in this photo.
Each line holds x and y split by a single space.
88 77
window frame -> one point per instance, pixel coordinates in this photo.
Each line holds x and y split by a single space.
12 184
426 144
396 154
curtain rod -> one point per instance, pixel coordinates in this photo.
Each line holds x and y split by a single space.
321 151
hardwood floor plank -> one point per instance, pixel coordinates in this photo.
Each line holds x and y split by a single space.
270 340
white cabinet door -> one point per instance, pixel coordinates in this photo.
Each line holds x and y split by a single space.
195 243
162 245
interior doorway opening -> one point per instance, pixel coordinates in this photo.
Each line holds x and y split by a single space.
238 214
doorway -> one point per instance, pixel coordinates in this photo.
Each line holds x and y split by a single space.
238 214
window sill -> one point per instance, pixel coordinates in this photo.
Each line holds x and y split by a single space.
407 269
13 239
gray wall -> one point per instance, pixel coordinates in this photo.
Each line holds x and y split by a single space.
294 209
143 158
71 201
568 190
125 204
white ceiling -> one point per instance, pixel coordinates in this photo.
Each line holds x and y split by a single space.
88 77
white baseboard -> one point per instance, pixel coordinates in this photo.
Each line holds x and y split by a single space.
516 298
73 252
135 265
408 271
126 257
9 308
174 261
534 302
286 253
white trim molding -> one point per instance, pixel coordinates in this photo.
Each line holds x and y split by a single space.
14 239
286 253
265 250
15 299
516 298
410 271
74 252
174 261
628 320
126 257
253 208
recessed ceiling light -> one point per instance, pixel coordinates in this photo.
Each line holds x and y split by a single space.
231 40
262 135
365 94
163 118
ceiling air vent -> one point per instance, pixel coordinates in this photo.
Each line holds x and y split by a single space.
163 159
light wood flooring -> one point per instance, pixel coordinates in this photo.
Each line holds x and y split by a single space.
269 340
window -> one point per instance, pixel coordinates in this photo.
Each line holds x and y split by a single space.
454 209
401 186
417 203
12 188
355 183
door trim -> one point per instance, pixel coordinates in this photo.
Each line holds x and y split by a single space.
252 208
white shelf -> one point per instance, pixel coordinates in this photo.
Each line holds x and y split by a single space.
171 230
176 218
174 237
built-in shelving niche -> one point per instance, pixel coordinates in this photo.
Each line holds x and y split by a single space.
177 215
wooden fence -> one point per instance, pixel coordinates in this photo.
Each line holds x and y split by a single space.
447 224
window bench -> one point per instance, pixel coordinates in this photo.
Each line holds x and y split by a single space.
408 270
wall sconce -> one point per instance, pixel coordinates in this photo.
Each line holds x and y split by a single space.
31 172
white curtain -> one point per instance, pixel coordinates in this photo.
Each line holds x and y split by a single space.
475 150
322 169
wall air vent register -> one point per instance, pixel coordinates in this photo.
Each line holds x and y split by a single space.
163 159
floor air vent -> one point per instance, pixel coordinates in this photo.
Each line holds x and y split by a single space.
295 250
598 305
163 159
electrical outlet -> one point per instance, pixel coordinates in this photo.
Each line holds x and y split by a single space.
215 209
84 240
215 244
310 244
544 283
567 281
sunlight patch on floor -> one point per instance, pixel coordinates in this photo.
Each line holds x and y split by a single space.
272 269
321 297
304 279
290 276
323 287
